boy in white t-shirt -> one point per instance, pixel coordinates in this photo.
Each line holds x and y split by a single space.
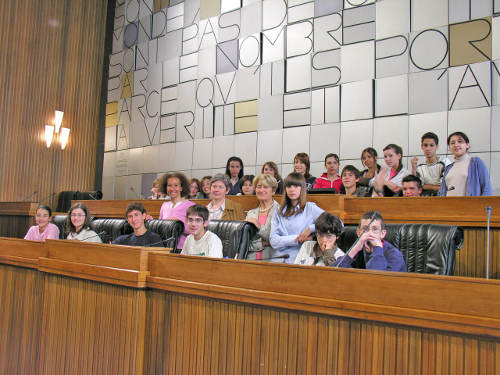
430 172
200 242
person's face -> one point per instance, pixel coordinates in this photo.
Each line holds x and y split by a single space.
218 190
42 218
193 189
136 219
349 179
299 167
458 146
77 218
206 186
368 160
332 166
174 188
375 229
410 189
247 188
264 193
391 158
293 192
234 168
429 147
269 170
196 225
326 238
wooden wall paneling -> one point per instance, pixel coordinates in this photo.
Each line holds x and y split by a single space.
21 296
52 58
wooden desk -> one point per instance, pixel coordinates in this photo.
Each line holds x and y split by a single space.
212 316
16 218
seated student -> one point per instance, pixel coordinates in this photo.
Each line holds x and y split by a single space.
246 185
135 213
350 183
201 241
45 229
431 172
79 225
379 255
388 183
205 188
412 186
194 188
156 191
369 159
322 252
301 165
330 179
234 169
221 208
271 168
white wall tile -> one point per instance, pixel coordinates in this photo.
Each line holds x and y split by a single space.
317 169
325 139
269 146
391 96
357 100
390 130
393 18
202 154
245 147
108 187
110 138
495 128
109 164
427 14
356 136
183 155
223 149
166 158
427 122
295 140
358 62
495 172
429 49
470 86
134 182
120 191
135 161
270 112
298 73
150 159
475 123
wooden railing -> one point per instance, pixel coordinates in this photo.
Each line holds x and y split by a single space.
71 308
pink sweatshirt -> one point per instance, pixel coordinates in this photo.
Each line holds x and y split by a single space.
166 212
51 232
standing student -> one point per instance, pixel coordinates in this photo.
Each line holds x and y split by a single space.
201 241
350 178
432 170
369 158
44 228
293 222
467 175
265 188
221 208
234 169
79 225
136 215
271 168
330 179
176 186
301 165
389 181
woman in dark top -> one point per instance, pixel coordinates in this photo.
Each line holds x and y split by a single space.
234 169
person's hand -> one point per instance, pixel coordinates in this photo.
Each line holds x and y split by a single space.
392 186
266 243
149 217
254 222
414 163
380 180
303 237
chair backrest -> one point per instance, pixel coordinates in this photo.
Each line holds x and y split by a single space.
427 248
235 236
64 201
114 228
167 229
60 222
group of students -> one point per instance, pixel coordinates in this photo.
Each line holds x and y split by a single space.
285 229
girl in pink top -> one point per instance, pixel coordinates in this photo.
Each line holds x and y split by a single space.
45 229
176 186
389 181
330 179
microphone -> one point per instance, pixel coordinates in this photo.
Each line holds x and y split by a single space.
51 195
133 191
157 243
91 196
452 188
29 196
98 234
488 218
376 215
284 256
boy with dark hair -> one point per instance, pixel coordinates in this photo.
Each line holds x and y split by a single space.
430 172
412 186
324 251
378 254
350 177
201 241
135 213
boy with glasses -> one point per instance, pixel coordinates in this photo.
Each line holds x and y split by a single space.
324 251
201 241
378 254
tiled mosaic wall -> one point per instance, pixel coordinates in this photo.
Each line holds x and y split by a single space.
194 82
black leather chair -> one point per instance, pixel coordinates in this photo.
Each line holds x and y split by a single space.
64 201
427 248
235 236
114 228
60 222
167 229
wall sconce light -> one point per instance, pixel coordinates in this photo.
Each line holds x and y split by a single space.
58 120
49 133
64 137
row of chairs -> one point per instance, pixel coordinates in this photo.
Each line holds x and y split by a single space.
427 248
